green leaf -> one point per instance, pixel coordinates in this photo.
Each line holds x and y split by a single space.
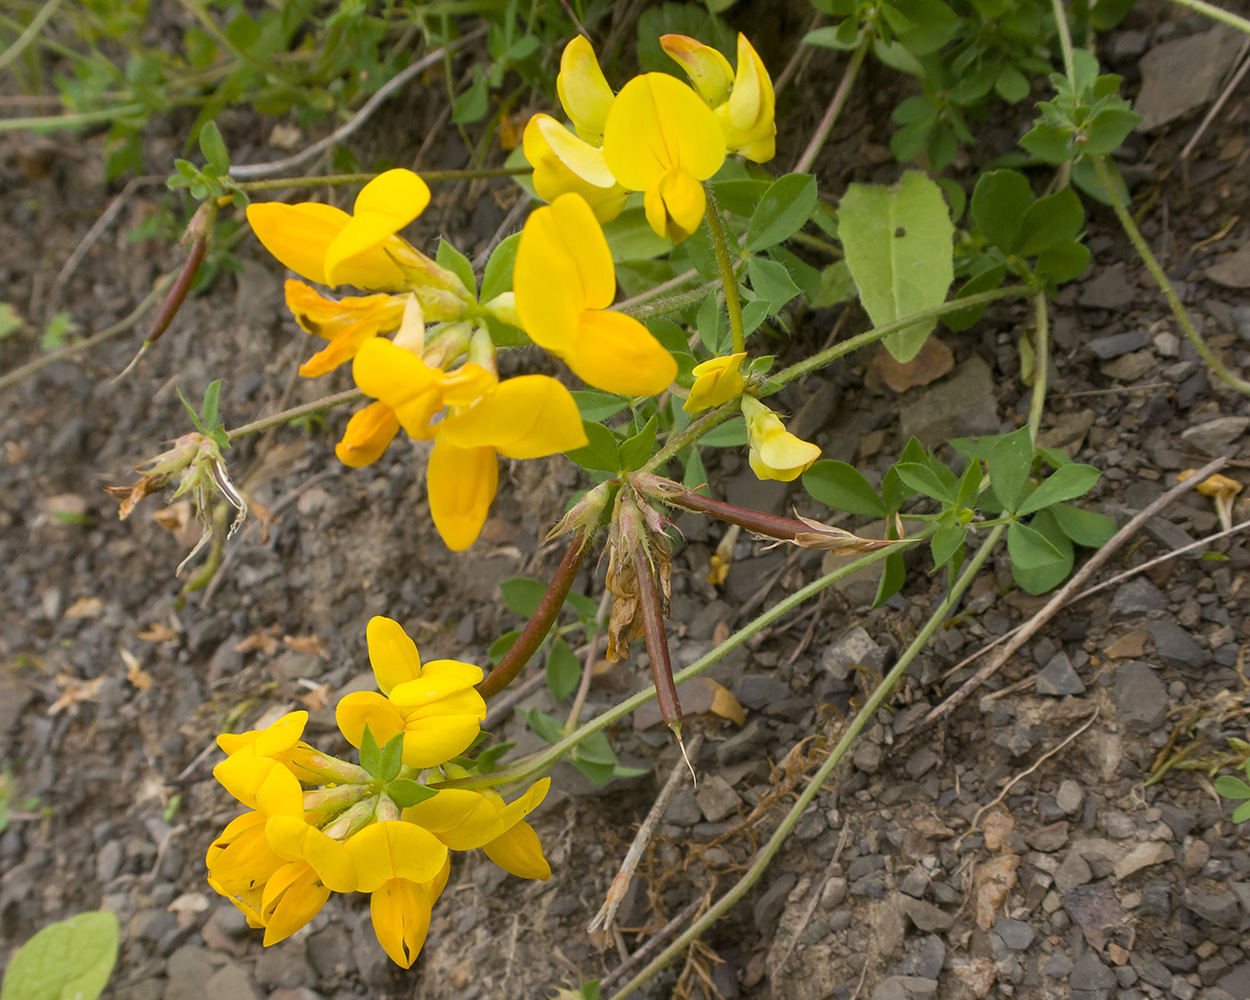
945 543
1242 813
924 480
893 576
601 454
771 281
842 486
843 37
709 323
899 245
630 237
786 206
405 792
497 278
564 672
214 148
595 406
522 594
637 449
370 753
1086 178
1037 579
1085 527
68 960
10 320
986 281
472 105
929 24
1012 85
836 285
1108 129
587 608
545 726
694 474
195 417
741 196
1232 788
1000 202
212 401
456 262
1070 481
731 434
1029 548
501 645
1010 462
1049 142
1064 262
392 758
1049 221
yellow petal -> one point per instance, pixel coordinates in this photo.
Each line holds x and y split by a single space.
784 457
392 654
461 484
327 318
342 348
368 708
519 851
292 897
435 681
708 70
467 384
400 911
553 177
367 435
658 124
384 206
431 741
294 840
717 381
395 849
583 159
401 380
748 117
298 235
399 193
674 205
280 735
583 91
260 783
526 803
526 417
616 353
461 818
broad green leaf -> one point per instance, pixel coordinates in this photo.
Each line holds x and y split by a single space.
898 243
637 449
1063 262
924 26
1009 464
1108 130
630 237
843 487
456 262
1049 221
1070 481
1037 579
945 543
740 196
472 104
68 960
497 277
1029 548
587 608
694 475
564 672
212 403
1012 85
522 594
709 322
1086 178
501 645
596 406
1048 141
842 37
601 454
836 285
924 480
1232 788
214 148
986 281
731 434
786 206
1085 527
544 725
771 281
1000 202
806 277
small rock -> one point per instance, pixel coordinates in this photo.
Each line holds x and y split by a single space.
1058 966
854 649
1106 348
1049 838
1151 970
1140 698
1091 974
1058 678
285 966
924 958
1215 435
867 757
965 404
1016 934
1219 908
1182 821
921 762
1153 852
1119 826
717 799
767 909
1110 288
926 916
1176 645
231 981
1232 270
1070 796
1156 901
1073 872
1183 989
1182 75
683 809
108 862
1129 646
915 882
755 691
1136 597
1237 982
905 988
1131 367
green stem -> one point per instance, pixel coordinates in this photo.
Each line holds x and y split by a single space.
835 106
855 343
28 36
1065 42
691 434
1041 365
543 760
339 180
767 852
1161 279
1232 20
303 410
48 123
720 244
670 306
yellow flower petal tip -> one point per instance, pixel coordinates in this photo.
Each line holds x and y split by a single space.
583 91
717 381
748 117
367 435
392 654
775 452
708 70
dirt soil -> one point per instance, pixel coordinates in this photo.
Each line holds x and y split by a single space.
920 873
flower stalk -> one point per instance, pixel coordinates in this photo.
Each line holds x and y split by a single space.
720 243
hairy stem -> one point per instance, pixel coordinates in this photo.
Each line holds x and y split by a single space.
1041 365
1217 13
724 263
769 850
1161 279
303 410
691 434
540 622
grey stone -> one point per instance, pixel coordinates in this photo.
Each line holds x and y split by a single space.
108 862
683 809
853 649
1152 852
1119 826
1182 821
1058 966
1156 901
1058 678
1131 367
187 973
1136 597
1106 348
1091 974
1016 934
1219 908
285 966
1109 288
924 958
919 763
755 691
330 951
1182 988
1049 838
867 757
717 799
1181 75
1069 796
767 909
926 916
744 744
1215 435
1073 872
1176 645
905 988
1237 982
963 405
1140 698
233 982
915 882
1151 970
299 993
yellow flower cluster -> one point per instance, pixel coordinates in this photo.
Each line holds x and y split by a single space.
658 135
386 834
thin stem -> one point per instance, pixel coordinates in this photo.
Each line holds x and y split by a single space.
340 180
651 610
720 243
1232 20
47 123
1161 279
295 412
667 306
544 759
28 36
1041 365
855 343
592 651
817 781
658 290
835 106
544 616
1065 42
691 434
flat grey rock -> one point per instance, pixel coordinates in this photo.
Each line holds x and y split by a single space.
1136 597
963 405
1182 75
1058 678
1109 288
1219 908
1140 698
1176 645
1091 974
854 648
1016 934
1215 435
1106 348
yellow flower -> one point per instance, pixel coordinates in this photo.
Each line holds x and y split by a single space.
434 706
367 435
527 417
464 819
660 138
261 783
564 163
744 103
346 324
716 381
405 869
240 862
583 91
564 281
775 452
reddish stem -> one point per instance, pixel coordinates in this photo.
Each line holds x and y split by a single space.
540 622
178 292
656 638
784 528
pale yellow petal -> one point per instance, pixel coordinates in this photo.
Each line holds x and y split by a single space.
658 124
616 353
526 417
395 849
583 91
392 654
462 484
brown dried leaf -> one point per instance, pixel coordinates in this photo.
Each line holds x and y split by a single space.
263 641
73 691
137 676
934 360
316 699
157 632
698 696
132 494
836 540
85 607
992 884
313 645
